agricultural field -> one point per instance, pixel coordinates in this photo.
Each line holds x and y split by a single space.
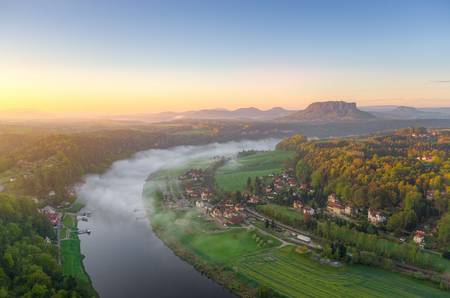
71 257
262 259
297 275
233 175
226 246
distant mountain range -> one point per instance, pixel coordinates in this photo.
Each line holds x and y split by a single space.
329 111
405 112
239 114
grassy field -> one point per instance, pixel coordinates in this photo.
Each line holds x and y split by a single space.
71 257
225 246
233 175
259 258
208 240
296 275
439 261
278 211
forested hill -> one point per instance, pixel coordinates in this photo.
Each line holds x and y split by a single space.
28 261
44 161
406 175
46 164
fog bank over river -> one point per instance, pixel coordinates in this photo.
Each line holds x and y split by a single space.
123 256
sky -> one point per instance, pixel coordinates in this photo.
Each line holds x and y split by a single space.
109 56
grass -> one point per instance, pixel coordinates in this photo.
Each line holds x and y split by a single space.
71 257
233 175
209 241
439 261
75 207
258 258
278 211
225 246
297 275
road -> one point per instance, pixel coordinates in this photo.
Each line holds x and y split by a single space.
288 228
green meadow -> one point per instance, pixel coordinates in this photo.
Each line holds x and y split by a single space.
233 175
206 239
279 211
71 257
298 275
260 259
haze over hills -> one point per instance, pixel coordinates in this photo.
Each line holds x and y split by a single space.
250 113
407 112
330 111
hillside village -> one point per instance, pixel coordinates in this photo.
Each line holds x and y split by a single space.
288 206
269 189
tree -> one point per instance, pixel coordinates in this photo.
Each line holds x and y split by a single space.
402 220
303 171
249 184
317 179
444 229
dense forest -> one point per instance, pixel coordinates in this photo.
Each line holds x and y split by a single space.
28 259
406 175
47 165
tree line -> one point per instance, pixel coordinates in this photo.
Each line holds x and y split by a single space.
28 257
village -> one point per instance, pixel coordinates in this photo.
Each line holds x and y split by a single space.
198 190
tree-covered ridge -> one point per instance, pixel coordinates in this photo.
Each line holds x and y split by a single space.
405 174
28 259
53 163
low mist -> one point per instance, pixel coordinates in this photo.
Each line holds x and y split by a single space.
118 192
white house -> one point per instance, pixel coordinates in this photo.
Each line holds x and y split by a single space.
419 236
375 217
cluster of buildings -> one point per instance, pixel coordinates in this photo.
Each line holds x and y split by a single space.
284 181
194 175
52 215
195 189
376 217
336 207
307 211
228 213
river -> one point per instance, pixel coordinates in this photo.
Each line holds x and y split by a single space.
123 257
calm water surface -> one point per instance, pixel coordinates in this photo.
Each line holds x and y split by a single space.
124 258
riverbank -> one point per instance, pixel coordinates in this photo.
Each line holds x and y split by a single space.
247 270
207 248
71 256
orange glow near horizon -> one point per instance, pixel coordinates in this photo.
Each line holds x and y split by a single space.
106 91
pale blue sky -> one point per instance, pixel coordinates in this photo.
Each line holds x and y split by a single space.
371 43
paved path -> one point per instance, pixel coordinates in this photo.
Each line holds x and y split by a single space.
288 228
283 242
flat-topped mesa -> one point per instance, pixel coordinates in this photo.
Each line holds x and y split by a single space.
329 111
